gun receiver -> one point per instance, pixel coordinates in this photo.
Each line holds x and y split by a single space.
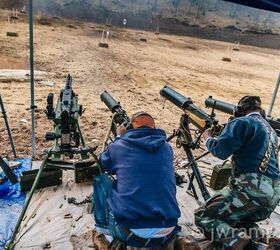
202 121
120 116
228 108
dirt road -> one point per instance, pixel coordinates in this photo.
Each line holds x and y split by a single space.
132 71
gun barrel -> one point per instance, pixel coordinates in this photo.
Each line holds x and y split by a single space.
275 124
200 117
176 98
110 102
229 108
69 81
219 105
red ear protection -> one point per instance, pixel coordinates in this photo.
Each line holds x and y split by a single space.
141 119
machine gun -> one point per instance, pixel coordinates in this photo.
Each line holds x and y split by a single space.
202 121
229 108
68 153
67 134
119 115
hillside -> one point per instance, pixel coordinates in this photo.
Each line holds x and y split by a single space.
150 13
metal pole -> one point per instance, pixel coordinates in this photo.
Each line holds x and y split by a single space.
2 109
274 96
32 75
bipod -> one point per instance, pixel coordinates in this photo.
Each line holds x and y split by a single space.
4 115
10 245
8 172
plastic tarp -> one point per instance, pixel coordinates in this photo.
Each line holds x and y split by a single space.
271 5
11 203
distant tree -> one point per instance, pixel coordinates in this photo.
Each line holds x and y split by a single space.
12 3
257 17
267 19
200 8
233 11
216 4
175 4
155 5
191 4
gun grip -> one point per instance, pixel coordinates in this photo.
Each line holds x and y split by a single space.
65 129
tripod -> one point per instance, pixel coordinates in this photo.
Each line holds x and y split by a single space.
184 139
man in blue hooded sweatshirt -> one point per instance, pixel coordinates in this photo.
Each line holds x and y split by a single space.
140 206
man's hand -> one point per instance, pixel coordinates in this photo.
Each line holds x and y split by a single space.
208 133
120 129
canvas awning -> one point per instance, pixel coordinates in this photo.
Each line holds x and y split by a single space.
271 5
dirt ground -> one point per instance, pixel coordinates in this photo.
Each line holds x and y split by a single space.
131 70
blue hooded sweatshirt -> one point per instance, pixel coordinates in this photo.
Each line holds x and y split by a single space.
144 194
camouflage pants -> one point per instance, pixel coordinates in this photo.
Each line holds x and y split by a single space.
227 216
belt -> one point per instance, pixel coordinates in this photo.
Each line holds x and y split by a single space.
145 242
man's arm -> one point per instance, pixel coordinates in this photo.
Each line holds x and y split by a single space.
105 158
231 139
106 161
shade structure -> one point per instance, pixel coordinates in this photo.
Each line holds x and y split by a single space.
270 5
32 91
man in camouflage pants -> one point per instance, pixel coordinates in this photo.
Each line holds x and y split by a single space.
229 217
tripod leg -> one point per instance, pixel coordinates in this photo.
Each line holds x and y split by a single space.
196 173
191 188
10 244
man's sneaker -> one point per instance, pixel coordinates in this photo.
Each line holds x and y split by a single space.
100 241
252 245
117 244
273 244
185 243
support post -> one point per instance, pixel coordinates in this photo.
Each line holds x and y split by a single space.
32 75
274 96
